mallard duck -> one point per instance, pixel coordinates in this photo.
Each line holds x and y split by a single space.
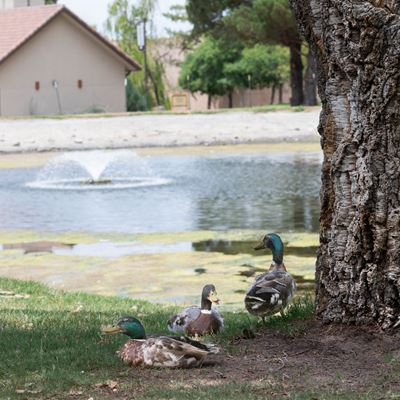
272 290
157 350
199 321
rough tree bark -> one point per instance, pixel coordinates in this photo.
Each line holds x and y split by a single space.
356 44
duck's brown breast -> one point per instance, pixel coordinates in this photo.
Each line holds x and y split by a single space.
132 352
204 324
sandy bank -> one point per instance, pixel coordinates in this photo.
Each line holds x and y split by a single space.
32 135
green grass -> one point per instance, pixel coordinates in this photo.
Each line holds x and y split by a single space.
277 107
50 340
263 108
51 348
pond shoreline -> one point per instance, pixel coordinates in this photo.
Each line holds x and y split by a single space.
165 130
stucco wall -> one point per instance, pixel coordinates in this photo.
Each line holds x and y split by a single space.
20 3
65 52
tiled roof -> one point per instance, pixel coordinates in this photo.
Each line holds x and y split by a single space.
18 25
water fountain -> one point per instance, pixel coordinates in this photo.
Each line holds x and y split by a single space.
83 170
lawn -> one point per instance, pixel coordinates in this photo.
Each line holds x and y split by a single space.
264 108
51 348
51 343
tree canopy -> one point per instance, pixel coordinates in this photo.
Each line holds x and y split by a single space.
203 69
253 22
214 69
265 21
260 66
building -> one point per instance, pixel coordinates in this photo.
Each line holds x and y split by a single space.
52 62
19 3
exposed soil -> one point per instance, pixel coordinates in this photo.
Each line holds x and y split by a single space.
37 247
326 358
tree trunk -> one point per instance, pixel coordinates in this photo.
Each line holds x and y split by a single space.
273 89
280 94
310 81
296 74
357 49
155 88
209 99
230 98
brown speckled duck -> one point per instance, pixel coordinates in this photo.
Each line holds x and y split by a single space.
199 321
272 290
157 350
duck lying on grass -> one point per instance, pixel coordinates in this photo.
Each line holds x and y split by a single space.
199 321
158 350
272 290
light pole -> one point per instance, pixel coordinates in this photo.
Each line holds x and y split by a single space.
142 45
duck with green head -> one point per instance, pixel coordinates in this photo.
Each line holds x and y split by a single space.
157 350
272 290
199 321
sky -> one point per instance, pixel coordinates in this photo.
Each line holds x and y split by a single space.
94 12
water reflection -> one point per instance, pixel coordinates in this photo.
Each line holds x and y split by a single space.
258 193
234 247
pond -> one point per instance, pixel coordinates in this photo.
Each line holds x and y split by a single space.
158 227
272 191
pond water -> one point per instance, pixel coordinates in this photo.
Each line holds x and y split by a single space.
272 191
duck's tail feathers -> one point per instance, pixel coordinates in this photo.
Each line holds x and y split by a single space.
212 348
209 347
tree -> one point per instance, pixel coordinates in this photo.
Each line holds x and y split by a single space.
135 100
272 22
50 2
177 14
203 70
254 21
122 24
310 81
207 16
260 66
356 45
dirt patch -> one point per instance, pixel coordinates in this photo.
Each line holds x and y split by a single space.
43 246
323 358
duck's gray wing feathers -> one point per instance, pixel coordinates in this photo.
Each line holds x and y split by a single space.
270 293
178 322
218 316
167 352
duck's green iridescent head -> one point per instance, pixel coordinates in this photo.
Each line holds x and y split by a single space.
274 242
127 325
